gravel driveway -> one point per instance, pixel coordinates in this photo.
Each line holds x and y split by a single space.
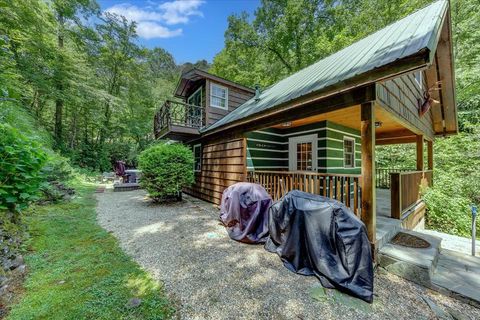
210 276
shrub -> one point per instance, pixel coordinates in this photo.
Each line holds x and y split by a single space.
456 183
21 161
166 169
57 168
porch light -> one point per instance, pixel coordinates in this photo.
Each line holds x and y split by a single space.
378 124
287 124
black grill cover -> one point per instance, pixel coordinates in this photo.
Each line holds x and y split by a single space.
244 212
315 235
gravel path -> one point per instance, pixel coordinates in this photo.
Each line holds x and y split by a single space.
210 276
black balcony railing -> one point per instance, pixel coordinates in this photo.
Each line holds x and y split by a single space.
178 114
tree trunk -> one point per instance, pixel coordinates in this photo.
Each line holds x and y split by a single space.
59 86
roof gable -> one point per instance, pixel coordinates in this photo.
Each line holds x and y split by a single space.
195 74
415 34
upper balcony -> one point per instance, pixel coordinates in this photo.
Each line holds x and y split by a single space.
178 121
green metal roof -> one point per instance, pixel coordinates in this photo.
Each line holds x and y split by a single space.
398 40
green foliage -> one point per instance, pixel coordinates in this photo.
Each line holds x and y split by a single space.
18 117
401 156
456 183
286 36
166 169
466 49
57 173
78 271
21 161
57 168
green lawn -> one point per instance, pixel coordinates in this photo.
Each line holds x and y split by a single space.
77 270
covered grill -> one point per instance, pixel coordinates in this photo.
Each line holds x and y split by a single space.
244 212
315 235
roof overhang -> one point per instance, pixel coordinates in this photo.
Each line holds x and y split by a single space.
346 91
444 70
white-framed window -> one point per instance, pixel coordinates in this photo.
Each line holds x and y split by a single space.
302 153
419 78
197 157
348 152
218 96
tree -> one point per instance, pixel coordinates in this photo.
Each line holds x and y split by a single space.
286 36
66 13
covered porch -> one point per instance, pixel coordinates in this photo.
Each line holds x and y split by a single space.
301 154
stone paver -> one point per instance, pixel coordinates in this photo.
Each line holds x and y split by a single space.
454 243
458 273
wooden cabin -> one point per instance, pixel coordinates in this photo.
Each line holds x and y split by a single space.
317 129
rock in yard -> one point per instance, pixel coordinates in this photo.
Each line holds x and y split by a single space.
20 269
442 315
3 290
17 262
3 280
318 293
457 315
133 303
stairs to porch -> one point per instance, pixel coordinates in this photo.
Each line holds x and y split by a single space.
446 271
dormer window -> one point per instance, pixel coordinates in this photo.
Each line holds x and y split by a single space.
218 96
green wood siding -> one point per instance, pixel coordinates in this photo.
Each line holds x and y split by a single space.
267 149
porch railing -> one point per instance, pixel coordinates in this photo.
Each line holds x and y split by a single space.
383 176
406 190
179 114
342 187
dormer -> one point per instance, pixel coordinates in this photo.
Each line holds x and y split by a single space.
202 99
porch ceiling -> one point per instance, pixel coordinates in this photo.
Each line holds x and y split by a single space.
350 117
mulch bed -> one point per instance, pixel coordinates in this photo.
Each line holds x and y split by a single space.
408 240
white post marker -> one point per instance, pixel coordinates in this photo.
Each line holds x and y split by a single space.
474 228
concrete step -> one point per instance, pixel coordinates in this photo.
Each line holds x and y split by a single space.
457 274
387 228
414 264
118 187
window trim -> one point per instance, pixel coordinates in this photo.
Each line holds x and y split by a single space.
420 84
353 152
292 151
199 145
213 96
201 96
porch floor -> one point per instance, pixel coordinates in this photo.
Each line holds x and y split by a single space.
383 203
387 227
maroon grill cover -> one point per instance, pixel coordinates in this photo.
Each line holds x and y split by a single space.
244 212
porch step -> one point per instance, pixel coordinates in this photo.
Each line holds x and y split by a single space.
449 272
414 264
386 229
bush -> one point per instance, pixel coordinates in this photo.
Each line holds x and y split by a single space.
21 161
166 169
57 168
456 184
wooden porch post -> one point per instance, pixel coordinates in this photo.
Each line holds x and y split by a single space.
430 154
419 152
368 169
